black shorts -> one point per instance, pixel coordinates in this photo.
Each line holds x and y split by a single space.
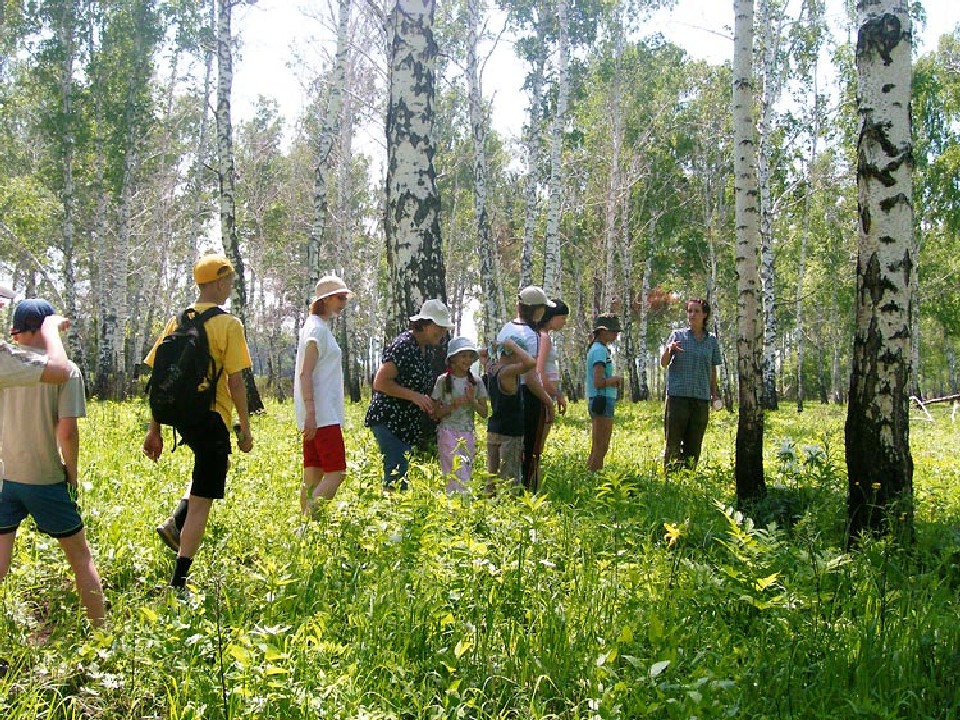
210 442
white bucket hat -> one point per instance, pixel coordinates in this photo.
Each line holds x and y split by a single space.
534 295
459 345
330 285
435 311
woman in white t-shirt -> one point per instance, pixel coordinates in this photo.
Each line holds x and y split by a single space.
318 396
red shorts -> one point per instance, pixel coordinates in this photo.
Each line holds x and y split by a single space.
326 450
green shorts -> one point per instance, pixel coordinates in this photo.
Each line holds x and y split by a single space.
53 507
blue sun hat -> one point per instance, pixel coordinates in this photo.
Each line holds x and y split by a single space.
461 344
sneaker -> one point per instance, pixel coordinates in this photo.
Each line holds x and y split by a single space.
168 532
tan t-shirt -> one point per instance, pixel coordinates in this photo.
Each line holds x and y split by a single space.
228 348
28 429
19 366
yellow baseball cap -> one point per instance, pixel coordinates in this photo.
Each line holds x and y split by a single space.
210 268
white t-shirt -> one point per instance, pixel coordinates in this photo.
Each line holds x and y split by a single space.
327 375
19 366
28 429
461 419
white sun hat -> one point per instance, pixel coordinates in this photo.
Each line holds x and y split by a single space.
330 285
435 311
534 295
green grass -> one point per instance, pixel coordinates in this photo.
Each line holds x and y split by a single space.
611 596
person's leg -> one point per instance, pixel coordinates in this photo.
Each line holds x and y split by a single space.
604 429
511 452
532 409
89 588
675 420
597 410
190 537
328 485
493 461
311 479
395 461
446 450
7 541
693 434
211 450
463 449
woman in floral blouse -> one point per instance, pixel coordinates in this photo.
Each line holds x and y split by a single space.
401 390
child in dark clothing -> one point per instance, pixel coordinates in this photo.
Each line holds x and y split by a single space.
505 426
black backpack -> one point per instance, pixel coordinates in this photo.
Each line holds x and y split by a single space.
183 386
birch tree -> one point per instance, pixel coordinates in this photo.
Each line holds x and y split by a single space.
750 484
412 222
877 432
551 250
227 176
493 312
326 143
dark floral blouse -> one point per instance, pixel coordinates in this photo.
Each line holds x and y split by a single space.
402 417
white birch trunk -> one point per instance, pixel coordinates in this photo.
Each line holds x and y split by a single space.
551 254
67 37
493 313
414 249
877 434
612 199
329 134
749 445
227 176
805 235
532 184
770 94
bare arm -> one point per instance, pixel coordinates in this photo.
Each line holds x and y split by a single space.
599 381
310 356
68 438
238 393
58 366
385 381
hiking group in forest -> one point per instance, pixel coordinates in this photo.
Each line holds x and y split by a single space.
198 360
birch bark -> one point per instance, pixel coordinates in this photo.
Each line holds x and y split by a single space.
750 484
877 432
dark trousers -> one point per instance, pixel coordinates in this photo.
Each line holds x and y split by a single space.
533 417
684 422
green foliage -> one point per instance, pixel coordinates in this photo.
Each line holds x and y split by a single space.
616 595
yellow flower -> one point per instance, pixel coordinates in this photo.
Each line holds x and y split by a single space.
673 533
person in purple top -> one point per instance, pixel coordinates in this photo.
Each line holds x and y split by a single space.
691 356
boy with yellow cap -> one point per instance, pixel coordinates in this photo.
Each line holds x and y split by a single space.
209 438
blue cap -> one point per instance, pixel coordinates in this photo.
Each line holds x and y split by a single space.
30 313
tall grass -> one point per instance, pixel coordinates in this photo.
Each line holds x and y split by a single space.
618 595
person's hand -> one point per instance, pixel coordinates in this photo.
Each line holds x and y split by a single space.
309 427
59 321
469 394
424 402
245 440
153 444
674 347
616 380
562 404
548 412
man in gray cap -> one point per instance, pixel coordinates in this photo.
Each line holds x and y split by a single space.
40 443
22 367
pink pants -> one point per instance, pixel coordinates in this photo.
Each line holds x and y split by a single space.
456 444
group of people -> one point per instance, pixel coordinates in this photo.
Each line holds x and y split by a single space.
517 390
